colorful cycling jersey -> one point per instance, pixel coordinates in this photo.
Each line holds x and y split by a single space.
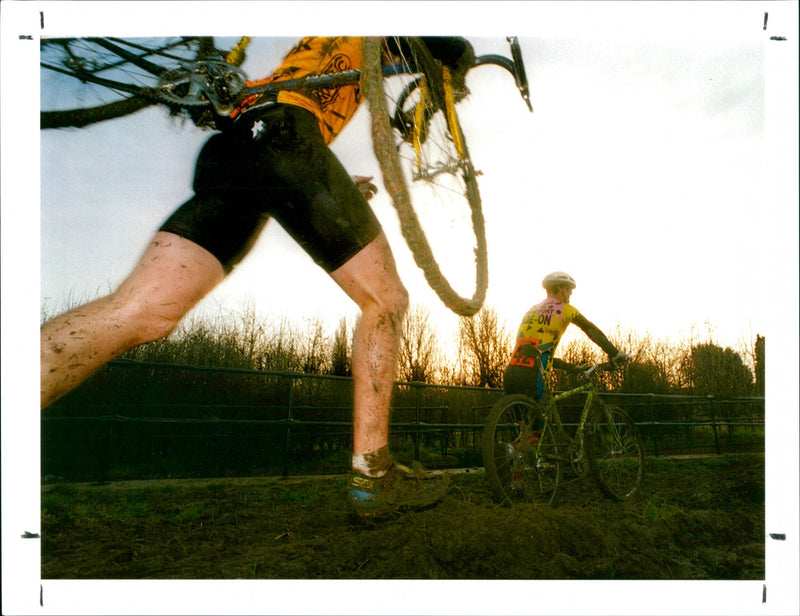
316 55
542 326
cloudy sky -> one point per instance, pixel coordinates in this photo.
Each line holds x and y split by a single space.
658 167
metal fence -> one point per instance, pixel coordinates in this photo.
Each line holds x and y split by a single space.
144 419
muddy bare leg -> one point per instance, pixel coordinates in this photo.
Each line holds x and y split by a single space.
371 279
171 277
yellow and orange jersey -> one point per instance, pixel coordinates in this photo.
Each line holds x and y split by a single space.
317 56
543 326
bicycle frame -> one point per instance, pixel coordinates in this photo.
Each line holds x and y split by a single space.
553 418
353 76
402 68
552 411
513 65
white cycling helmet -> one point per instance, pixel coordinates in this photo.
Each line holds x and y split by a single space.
558 279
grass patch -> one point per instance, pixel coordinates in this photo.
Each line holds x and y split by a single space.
656 509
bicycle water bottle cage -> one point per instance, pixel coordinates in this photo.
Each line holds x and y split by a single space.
197 84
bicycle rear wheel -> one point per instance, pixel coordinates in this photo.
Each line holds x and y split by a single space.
433 179
520 453
89 80
615 452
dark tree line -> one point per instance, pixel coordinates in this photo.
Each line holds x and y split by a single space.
242 340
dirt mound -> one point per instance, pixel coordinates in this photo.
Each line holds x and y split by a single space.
694 519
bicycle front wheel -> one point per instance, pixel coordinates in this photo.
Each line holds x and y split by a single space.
427 171
615 452
89 80
520 453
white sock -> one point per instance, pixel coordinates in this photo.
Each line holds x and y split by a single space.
373 464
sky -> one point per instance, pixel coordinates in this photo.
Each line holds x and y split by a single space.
640 172
659 168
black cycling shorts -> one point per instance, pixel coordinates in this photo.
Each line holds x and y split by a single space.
274 162
523 380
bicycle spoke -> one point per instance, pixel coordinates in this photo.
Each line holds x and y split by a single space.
616 454
432 181
520 454
90 80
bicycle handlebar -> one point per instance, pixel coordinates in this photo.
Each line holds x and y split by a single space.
520 76
608 366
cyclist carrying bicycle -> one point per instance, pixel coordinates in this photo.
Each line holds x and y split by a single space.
542 327
271 159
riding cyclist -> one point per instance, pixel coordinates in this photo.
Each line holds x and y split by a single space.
271 159
541 330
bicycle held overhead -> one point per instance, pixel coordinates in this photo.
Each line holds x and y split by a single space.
418 139
188 73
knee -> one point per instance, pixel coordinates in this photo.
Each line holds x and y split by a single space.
396 304
390 305
148 321
401 301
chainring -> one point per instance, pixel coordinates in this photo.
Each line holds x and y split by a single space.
198 84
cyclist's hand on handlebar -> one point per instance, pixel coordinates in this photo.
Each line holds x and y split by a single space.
580 368
365 186
620 359
567 367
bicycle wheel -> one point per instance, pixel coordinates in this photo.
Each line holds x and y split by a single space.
519 454
614 451
432 173
88 80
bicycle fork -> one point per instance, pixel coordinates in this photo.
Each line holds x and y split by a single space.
421 120
615 444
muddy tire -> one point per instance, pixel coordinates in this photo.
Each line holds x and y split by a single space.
520 457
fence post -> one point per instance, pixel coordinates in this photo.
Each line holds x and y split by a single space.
653 425
710 399
418 407
290 416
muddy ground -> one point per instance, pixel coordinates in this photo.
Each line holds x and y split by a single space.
693 519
